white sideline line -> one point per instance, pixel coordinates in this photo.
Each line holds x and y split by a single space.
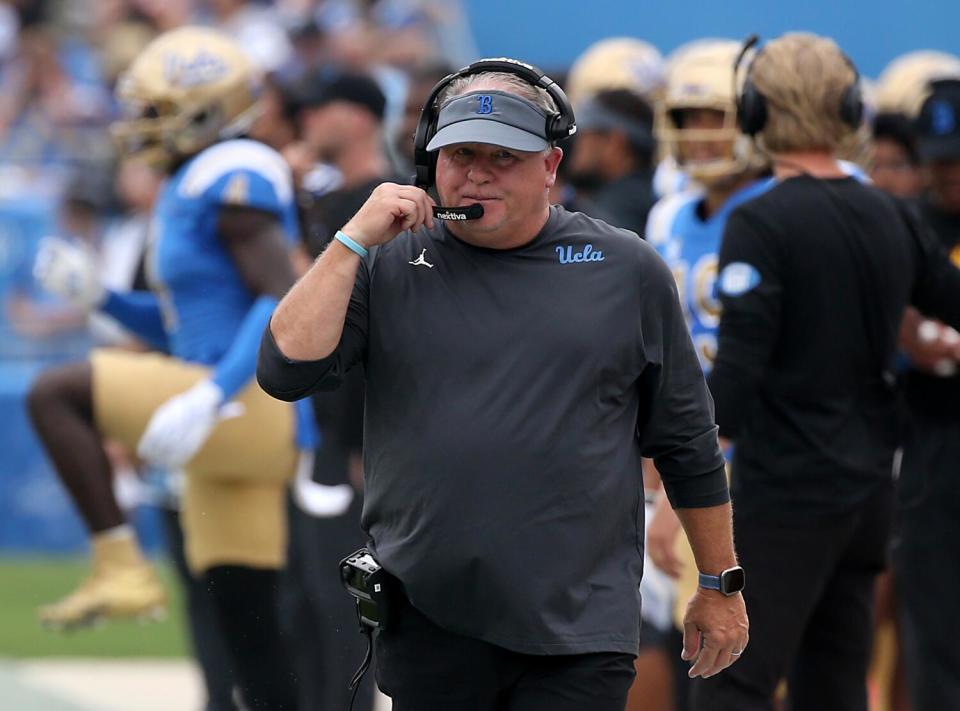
115 684
105 685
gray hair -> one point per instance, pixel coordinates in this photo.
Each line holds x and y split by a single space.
502 81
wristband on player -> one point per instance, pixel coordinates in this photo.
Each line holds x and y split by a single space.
351 244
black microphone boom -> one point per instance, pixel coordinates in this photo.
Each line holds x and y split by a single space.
456 214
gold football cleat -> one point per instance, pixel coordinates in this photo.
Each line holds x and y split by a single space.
122 585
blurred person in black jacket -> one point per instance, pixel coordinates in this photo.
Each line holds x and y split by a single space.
612 163
927 550
340 118
814 277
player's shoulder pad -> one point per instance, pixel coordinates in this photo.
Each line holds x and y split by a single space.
664 213
240 157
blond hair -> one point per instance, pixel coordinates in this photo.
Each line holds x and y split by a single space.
803 78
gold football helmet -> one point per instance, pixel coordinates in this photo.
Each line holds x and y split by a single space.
904 84
616 63
188 89
700 76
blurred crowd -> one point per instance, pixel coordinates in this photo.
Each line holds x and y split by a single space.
345 81
59 64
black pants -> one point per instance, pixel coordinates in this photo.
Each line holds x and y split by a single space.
206 635
809 597
425 668
247 606
319 614
927 562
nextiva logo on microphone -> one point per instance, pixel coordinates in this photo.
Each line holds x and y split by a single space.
470 212
568 256
484 104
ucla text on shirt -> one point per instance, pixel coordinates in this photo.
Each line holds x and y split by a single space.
568 256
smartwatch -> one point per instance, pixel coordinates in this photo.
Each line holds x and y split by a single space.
729 582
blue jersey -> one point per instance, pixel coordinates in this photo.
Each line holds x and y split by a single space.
690 245
202 296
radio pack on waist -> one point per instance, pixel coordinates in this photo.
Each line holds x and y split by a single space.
363 578
366 581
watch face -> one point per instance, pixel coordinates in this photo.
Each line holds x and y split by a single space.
732 581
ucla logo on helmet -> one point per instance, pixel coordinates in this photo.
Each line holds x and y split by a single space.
484 104
942 119
202 68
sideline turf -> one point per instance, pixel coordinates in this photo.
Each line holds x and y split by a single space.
28 582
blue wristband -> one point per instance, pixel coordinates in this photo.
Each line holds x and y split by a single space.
351 244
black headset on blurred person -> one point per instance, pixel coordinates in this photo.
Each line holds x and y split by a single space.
560 124
752 105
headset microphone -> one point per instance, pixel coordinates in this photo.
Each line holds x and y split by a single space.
456 214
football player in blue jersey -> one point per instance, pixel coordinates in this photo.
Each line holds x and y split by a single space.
699 127
218 262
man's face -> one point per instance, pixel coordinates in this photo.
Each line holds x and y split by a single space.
892 170
944 179
511 185
328 128
699 151
588 162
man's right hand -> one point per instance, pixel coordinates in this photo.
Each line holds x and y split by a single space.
69 271
390 210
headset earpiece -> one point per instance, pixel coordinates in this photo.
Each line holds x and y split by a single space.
559 124
751 105
851 103
751 109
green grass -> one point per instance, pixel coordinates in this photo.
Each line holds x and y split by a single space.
26 583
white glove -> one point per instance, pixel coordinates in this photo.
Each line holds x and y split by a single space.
180 426
70 271
315 499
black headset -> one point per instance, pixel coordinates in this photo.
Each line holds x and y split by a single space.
752 105
560 124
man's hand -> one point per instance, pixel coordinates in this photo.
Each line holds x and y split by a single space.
662 538
180 426
390 210
715 632
70 272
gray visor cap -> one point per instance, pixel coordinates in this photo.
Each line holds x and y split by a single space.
493 117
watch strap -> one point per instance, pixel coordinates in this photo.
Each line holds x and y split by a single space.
710 582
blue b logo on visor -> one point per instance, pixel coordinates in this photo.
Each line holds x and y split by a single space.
484 104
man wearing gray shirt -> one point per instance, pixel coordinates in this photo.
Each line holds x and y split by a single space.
518 367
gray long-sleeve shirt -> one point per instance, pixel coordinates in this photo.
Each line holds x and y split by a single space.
510 396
